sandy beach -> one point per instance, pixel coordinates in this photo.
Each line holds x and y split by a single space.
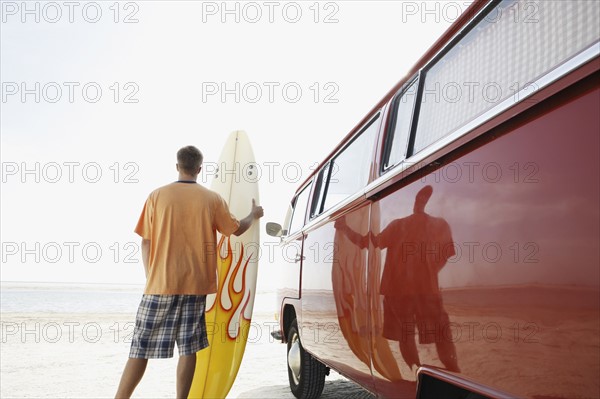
70 355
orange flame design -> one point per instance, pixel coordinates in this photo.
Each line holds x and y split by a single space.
231 300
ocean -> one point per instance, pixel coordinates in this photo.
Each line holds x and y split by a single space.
20 297
68 298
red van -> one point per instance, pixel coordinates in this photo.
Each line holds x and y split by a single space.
448 247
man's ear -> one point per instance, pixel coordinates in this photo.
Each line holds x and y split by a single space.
177 166
199 169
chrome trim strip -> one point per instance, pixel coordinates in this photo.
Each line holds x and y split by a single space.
333 209
562 70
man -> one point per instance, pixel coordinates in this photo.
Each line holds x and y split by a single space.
178 227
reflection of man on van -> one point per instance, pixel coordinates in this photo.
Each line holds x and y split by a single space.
351 298
418 247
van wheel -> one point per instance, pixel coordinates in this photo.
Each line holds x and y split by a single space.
306 374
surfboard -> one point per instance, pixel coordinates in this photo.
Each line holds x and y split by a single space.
229 312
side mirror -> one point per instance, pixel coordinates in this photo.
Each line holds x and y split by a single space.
274 229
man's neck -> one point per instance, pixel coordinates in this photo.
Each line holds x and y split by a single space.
185 177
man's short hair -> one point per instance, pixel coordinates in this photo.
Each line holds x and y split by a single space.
189 158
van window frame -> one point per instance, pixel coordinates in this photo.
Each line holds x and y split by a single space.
524 94
393 119
308 187
321 186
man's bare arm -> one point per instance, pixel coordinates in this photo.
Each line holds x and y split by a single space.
146 254
255 214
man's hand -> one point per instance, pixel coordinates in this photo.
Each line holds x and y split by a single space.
255 213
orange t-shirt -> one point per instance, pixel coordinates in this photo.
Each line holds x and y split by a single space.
181 221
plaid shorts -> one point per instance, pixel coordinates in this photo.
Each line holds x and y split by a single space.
163 320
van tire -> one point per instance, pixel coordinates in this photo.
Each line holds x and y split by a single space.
306 374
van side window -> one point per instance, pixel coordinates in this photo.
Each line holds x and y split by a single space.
350 168
396 145
299 212
511 47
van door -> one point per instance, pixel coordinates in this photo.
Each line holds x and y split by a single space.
389 377
292 245
335 323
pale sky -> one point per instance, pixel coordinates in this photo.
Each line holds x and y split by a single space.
94 109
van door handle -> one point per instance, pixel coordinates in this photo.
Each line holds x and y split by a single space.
299 258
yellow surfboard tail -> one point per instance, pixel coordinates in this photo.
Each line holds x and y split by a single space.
227 329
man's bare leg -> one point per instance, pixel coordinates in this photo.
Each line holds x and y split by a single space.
185 374
132 375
